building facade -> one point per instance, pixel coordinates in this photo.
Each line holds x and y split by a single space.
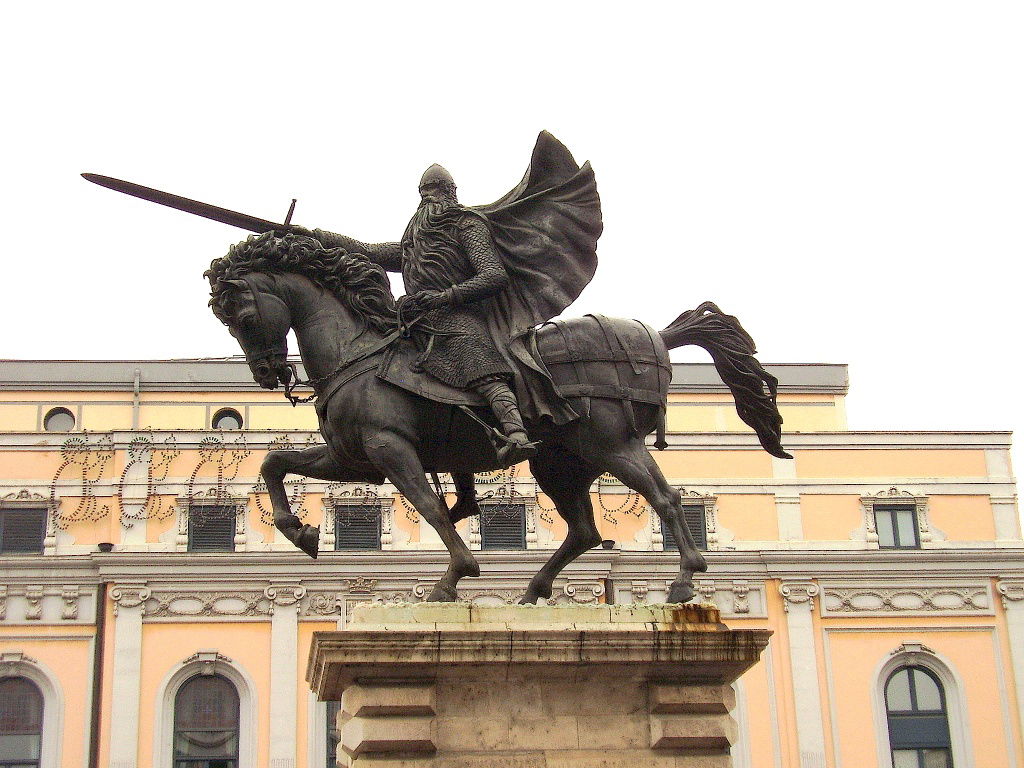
151 615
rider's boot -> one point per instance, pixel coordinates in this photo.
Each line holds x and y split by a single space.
465 500
517 446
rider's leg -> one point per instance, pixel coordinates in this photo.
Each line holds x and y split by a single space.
506 409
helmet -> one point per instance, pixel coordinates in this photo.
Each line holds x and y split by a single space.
436 175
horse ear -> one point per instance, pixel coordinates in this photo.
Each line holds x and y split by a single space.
237 284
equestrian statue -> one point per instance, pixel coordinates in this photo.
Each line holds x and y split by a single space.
468 372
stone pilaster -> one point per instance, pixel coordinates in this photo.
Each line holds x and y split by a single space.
1012 593
799 604
284 627
129 607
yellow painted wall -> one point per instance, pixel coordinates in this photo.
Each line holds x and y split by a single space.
962 518
750 517
856 656
890 464
830 518
166 645
68 657
684 465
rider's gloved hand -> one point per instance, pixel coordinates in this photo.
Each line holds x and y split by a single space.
424 301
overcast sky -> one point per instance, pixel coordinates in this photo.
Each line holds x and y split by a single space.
847 178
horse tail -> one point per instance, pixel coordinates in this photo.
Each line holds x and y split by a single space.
732 349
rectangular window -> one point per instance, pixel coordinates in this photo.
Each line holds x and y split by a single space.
211 529
896 525
357 526
22 531
694 517
503 526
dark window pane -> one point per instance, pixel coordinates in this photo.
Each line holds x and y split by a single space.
333 733
22 531
696 521
916 709
896 526
211 529
206 723
503 526
936 758
21 722
357 526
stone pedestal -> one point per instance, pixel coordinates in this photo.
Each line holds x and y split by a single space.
460 686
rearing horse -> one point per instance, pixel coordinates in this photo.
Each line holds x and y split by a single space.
342 311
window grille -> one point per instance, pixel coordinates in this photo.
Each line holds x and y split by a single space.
206 723
21 723
211 529
22 531
503 526
695 520
357 526
896 525
915 706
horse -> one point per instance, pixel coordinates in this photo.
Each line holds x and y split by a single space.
343 313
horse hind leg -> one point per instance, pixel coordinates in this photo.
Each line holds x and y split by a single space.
637 469
566 479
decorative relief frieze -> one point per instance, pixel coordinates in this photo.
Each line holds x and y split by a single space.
798 594
490 596
732 597
42 604
284 595
968 599
321 604
208 605
34 598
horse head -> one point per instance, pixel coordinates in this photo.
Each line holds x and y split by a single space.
253 291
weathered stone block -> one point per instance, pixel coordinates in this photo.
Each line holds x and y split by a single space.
668 699
624 758
470 733
614 731
698 732
545 733
387 698
386 735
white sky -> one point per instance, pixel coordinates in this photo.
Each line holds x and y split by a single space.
844 177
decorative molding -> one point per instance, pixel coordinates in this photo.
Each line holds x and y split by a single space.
798 593
129 596
34 598
69 595
1011 593
580 592
10 662
895 495
283 595
947 600
359 584
639 588
321 604
733 597
207 661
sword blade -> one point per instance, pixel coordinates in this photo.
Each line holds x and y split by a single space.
207 211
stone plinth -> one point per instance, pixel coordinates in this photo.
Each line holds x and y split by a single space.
459 686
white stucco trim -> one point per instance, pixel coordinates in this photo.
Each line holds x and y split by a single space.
16 664
741 757
916 654
316 732
163 740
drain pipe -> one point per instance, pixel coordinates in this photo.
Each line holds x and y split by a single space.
97 675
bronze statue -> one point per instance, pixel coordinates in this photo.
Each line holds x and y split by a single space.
465 374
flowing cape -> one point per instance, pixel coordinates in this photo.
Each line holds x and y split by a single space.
546 230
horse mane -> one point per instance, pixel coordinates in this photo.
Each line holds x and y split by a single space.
353 279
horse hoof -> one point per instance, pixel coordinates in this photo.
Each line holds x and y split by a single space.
529 599
680 593
441 594
308 540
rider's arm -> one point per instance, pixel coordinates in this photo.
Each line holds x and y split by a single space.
490 277
387 255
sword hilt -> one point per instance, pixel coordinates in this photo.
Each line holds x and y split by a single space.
291 210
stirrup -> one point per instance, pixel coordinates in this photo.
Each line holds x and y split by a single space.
513 453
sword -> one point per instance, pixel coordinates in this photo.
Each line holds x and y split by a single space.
207 211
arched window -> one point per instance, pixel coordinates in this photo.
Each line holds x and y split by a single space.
915 707
227 418
21 723
206 716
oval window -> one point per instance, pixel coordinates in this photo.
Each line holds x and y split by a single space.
227 418
59 420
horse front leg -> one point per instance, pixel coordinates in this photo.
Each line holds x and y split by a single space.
396 457
317 463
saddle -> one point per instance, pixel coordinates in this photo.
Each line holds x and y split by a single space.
581 358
